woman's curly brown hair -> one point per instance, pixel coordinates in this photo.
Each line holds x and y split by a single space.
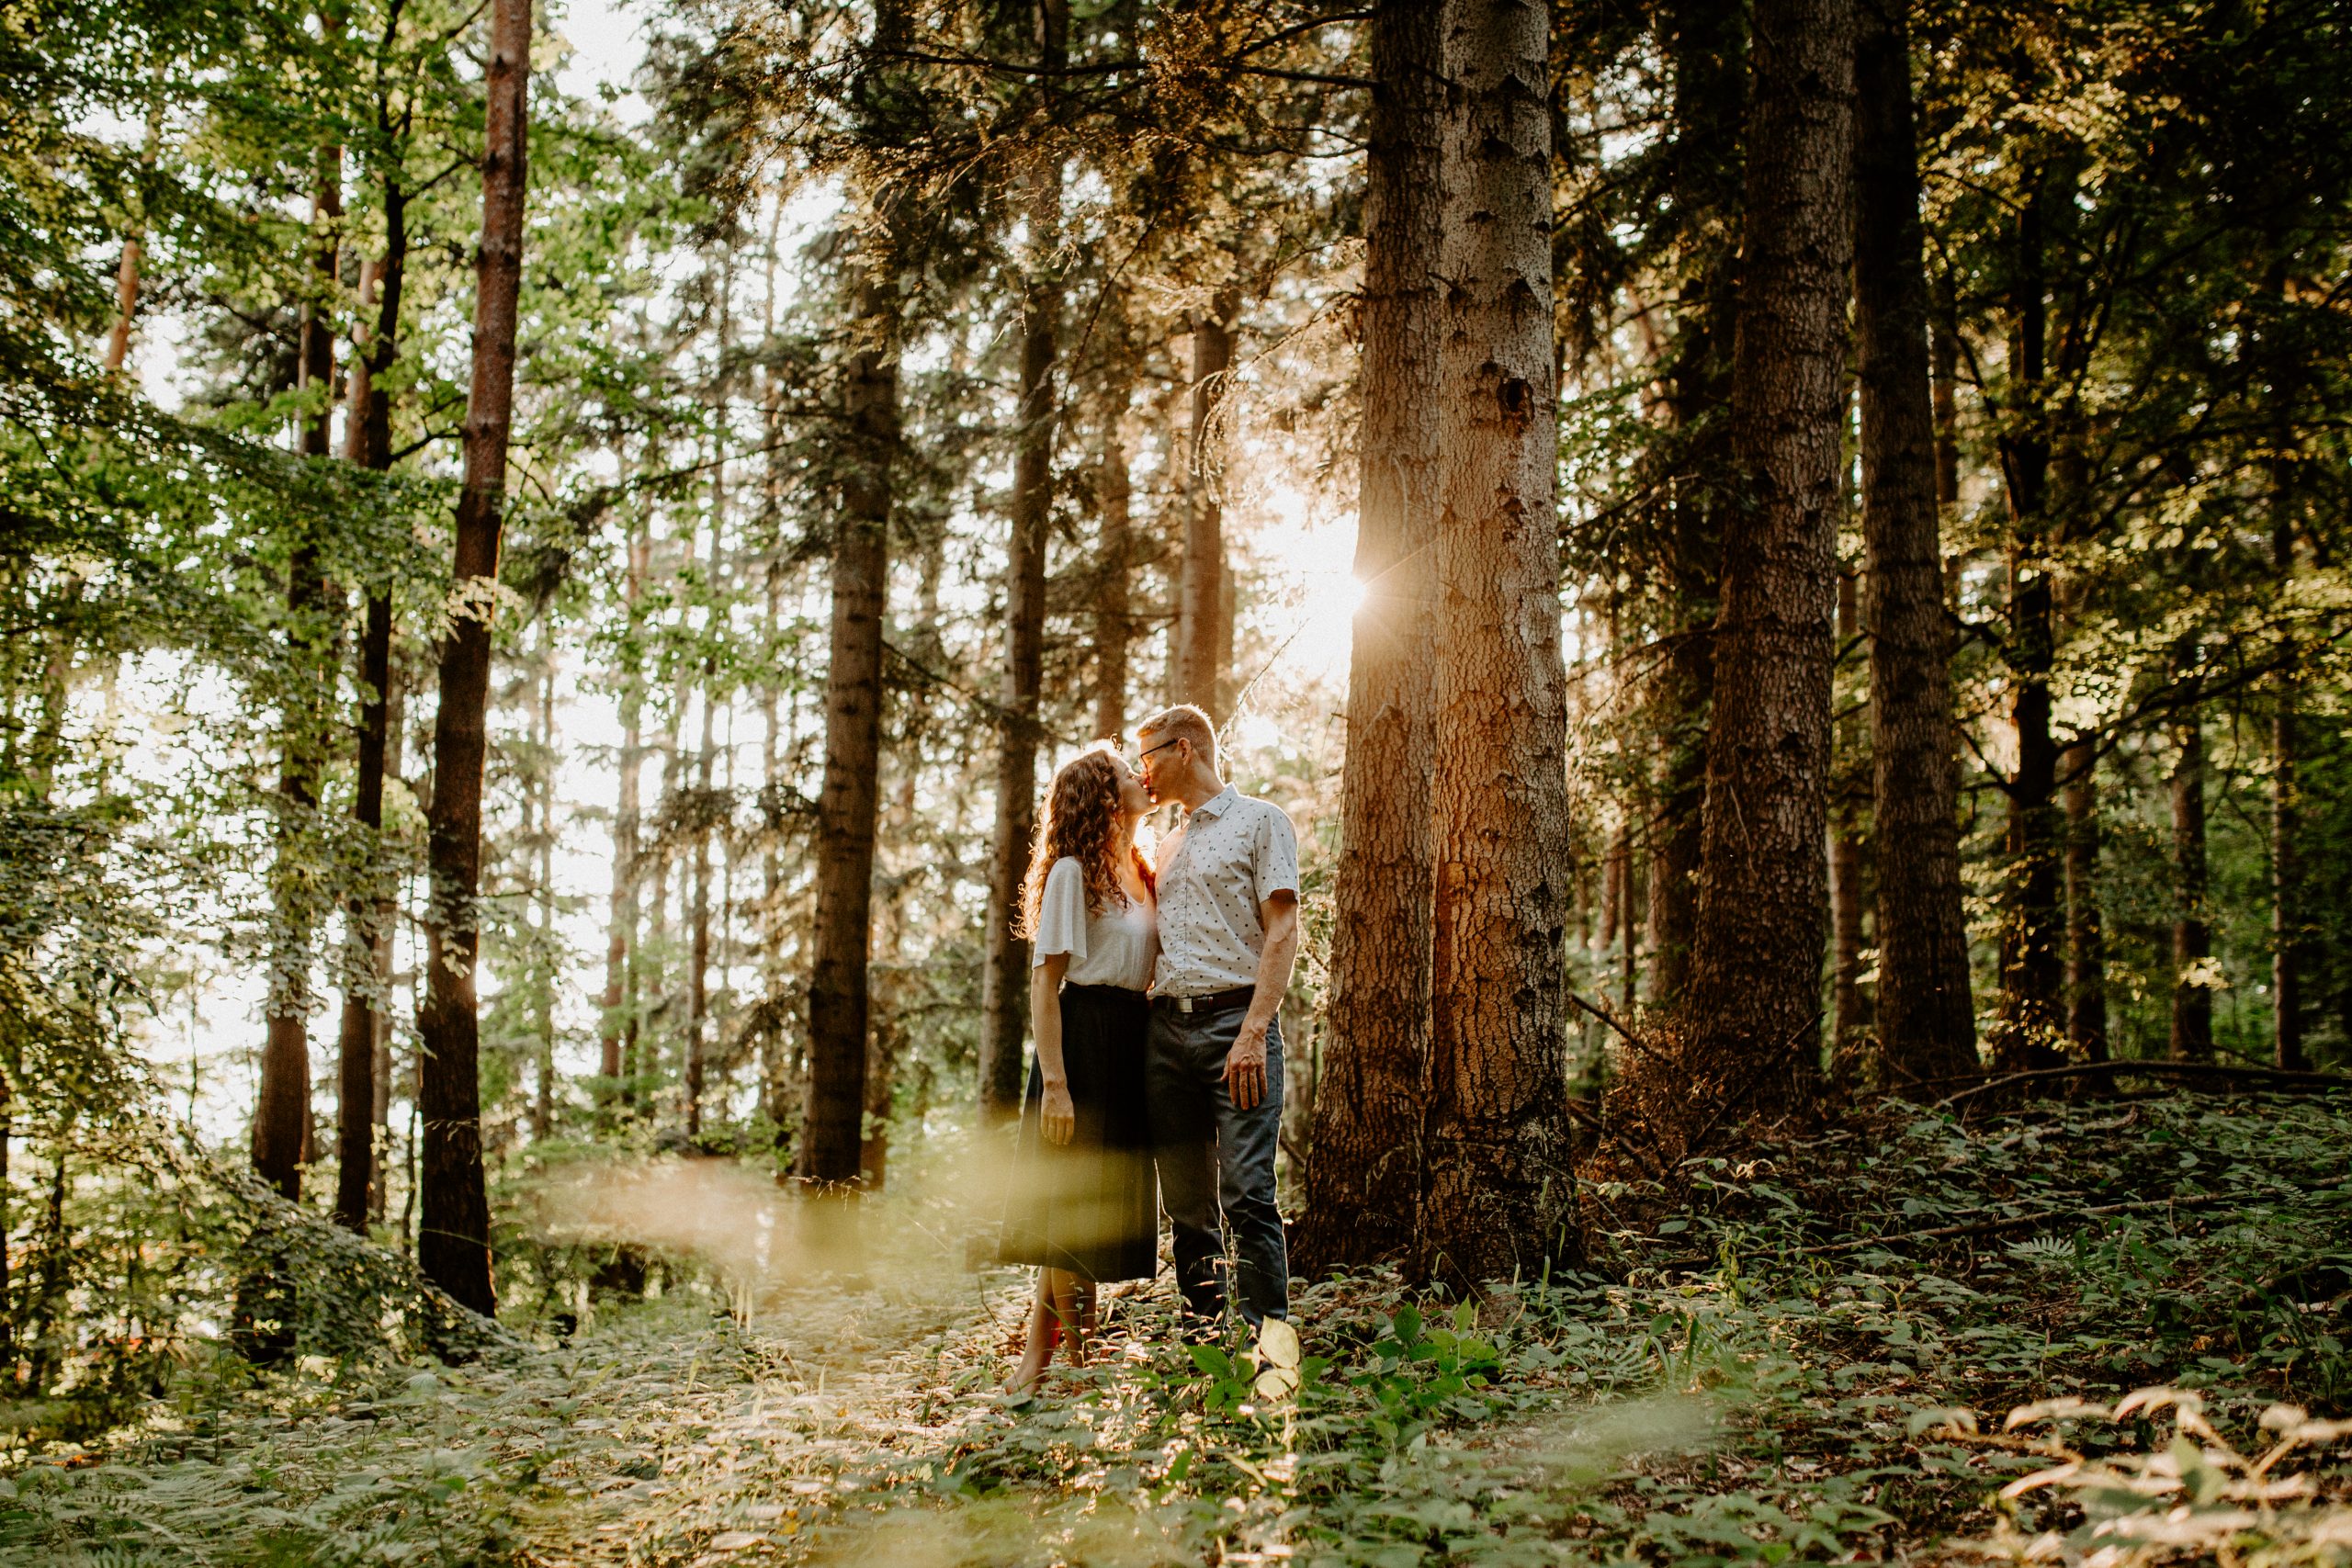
1082 822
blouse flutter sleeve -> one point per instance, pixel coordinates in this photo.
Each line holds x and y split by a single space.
1061 913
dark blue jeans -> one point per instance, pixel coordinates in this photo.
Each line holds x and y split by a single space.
1216 1163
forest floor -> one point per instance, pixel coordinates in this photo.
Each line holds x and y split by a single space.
1809 1360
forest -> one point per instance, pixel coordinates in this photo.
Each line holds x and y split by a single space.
1788 563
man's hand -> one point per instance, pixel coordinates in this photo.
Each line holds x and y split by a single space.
1244 1065
1060 1118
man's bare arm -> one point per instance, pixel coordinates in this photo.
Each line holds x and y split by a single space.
1244 1065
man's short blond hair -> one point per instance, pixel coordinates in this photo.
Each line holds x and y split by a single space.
1183 722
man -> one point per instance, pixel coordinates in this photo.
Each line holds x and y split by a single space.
1228 930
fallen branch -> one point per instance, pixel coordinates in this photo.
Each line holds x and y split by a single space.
1627 1035
1986 1227
2264 1078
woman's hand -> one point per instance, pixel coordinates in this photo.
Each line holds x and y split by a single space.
1059 1119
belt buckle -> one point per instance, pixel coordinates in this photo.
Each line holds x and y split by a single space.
1184 1005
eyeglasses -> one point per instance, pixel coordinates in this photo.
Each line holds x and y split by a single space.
1163 745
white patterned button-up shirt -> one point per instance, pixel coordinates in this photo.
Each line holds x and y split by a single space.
1233 853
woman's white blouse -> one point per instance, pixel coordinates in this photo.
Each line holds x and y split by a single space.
1117 947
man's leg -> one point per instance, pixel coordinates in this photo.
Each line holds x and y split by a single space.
1246 1143
1183 1146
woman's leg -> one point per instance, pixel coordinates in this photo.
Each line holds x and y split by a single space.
1044 1328
1064 1286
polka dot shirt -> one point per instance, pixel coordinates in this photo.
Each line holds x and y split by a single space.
1233 853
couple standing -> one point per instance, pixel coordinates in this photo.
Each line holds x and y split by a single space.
1152 998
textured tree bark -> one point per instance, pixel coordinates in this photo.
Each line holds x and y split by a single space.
2085 933
2028 1030
1926 1020
1364 1180
282 1117
1753 1017
1709 51
1004 976
2193 937
368 442
1499 1192
453 1234
1115 598
1200 633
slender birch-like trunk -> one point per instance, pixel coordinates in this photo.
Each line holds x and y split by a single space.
1004 976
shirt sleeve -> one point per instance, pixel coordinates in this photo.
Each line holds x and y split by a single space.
1061 914
1274 868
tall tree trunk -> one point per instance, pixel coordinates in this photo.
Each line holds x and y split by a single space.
620 942
2286 863
1363 1182
1201 632
835 1100
282 1117
1755 1010
453 1238
1849 1009
2193 937
1926 1022
1115 598
543 895
1499 1193
2031 978
367 988
2086 934
698 932
1709 52
1004 977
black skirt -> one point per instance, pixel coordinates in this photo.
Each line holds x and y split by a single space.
1091 1205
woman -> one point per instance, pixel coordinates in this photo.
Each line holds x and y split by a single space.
1085 1207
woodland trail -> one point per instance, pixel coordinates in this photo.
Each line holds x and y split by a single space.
1758 1404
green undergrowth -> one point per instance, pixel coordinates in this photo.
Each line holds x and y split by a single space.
1784 1365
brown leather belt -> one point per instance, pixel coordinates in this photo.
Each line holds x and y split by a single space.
1216 1001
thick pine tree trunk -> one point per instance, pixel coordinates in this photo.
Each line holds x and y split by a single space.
2032 978
453 1235
367 1001
282 1117
1708 52
1363 1181
1114 597
1004 977
2192 936
1499 1192
1754 1012
1927 1022
1200 631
